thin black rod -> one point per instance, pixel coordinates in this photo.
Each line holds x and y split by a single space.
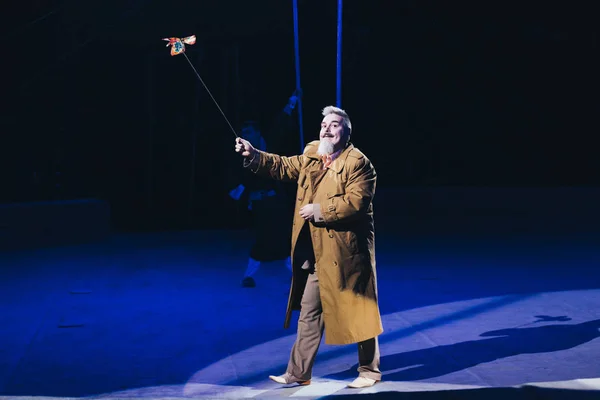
211 96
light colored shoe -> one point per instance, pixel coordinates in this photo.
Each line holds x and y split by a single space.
362 382
287 378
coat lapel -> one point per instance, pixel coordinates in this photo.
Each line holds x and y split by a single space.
312 178
338 164
311 174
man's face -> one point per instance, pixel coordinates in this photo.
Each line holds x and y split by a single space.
332 130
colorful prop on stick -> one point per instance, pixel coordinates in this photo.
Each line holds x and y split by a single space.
178 47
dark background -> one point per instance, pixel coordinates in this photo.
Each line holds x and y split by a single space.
440 93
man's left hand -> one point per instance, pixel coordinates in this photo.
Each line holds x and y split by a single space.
307 212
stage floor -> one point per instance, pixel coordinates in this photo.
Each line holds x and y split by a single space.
163 315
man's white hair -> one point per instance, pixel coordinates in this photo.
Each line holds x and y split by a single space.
345 118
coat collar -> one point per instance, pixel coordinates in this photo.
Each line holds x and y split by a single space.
338 164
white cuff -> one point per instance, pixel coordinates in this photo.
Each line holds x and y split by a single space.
318 215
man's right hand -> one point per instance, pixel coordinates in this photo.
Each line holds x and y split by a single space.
244 147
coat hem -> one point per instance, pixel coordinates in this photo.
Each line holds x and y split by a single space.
352 340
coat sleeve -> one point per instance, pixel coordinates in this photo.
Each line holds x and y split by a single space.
358 195
278 167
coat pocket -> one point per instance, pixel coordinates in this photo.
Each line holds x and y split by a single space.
345 242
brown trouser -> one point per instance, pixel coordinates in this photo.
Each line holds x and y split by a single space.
310 332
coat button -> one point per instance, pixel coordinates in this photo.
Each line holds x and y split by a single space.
335 263
299 198
331 235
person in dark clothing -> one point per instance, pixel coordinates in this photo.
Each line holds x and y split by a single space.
267 202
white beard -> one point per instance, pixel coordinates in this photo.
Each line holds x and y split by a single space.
325 148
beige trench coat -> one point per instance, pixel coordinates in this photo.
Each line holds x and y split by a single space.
344 243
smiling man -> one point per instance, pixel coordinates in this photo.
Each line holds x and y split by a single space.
334 282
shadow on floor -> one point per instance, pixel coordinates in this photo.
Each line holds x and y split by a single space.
522 393
442 360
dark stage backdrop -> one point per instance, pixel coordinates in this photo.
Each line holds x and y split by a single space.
440 93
